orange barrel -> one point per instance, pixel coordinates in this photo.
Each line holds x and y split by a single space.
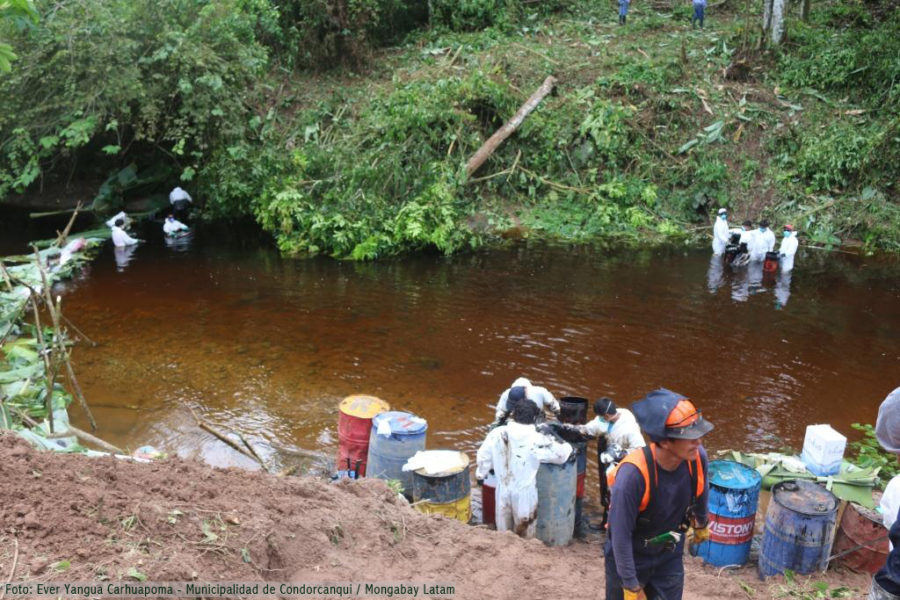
354 427
861 528
770 264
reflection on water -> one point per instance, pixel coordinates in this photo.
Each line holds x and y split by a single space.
268 346
783 289
123 256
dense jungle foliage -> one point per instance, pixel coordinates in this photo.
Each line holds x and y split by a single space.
343 126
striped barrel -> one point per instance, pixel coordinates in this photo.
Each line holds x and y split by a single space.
799 528
447 493
733 497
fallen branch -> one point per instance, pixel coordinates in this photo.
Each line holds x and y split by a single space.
532 50
210 429
72 432
509 127
61 239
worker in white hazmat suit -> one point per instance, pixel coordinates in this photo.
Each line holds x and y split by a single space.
120 237
521 387
618 425
758 244
886 583
172 226
720 232
515 452
788 248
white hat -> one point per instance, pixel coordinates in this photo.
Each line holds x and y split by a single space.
722 211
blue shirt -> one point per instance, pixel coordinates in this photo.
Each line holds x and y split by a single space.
666 512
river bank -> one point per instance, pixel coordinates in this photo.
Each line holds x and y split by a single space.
73 518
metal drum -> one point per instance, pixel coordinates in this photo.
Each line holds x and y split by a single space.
354 423
447 493
799 528
573 410
388 453
862 529
556 502
733 496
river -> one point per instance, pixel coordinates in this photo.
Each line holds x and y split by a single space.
268 346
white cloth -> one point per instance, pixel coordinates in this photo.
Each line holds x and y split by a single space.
757 245
625 432
120 238
541 397
769 236
515 453
173 226
787 250
890 503
120 215
179 194
720 235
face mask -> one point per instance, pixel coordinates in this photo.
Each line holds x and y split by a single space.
787 234
762 229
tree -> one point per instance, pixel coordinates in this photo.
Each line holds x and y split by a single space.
20 14
773 20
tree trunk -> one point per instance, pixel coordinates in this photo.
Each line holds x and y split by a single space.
804 10
507 130
777 21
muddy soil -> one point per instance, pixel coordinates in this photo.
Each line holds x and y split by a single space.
75 518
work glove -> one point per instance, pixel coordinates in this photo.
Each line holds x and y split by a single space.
635 594
701 534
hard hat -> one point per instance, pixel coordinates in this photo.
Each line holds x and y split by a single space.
666 414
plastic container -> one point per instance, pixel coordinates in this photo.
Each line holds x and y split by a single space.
388 453
823 450
733 497
354 424
770 263
863 529
447 493
556 502
799 528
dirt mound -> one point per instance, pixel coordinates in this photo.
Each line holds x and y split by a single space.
84 519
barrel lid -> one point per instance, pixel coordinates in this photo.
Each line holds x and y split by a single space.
363 406
401 423
804 497
733 475
439 463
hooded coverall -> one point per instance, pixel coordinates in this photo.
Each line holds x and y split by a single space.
787 250
515 452
720 235
537 394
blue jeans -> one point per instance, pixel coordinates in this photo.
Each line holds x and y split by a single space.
698 14
623 8
661 575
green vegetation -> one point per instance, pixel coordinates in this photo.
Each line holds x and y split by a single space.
869 453
344 126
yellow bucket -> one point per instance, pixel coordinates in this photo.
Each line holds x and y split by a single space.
461 509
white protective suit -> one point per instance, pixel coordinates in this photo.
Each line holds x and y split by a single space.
121 238
178 195
515 453
120 215
890 503
625 432
758 245
720 235
787 250
173 225
537 394
769 236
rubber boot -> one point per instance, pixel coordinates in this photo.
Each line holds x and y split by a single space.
624 19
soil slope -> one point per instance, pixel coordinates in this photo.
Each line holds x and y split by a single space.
178 520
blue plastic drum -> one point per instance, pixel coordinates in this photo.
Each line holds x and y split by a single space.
799 528
388 453
733 496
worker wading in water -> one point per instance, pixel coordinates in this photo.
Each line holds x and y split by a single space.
515 451
522 388
658 492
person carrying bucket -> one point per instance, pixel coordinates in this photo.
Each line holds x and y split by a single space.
515 452
522 388
886 583
658 493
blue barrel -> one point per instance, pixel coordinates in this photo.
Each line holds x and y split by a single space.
447 493
733 496
556 502
388 453
799 528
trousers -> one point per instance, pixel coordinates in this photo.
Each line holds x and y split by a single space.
661 574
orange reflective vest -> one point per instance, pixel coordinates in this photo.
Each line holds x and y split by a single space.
640 458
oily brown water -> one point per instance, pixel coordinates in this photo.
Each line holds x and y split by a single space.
268 346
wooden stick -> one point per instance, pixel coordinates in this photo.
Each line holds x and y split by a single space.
71 432
61 239
253 452
488 148
208 428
